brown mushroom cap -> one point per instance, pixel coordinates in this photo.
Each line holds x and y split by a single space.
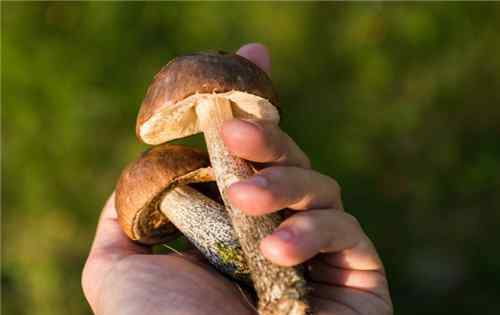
167 111
143 183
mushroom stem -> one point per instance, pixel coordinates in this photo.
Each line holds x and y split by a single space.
281 290
205 223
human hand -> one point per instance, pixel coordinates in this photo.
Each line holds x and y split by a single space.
122 277
346 274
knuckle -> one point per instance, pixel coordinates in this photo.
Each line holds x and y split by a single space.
279 144
352 220
268 199
306 161
280 147
274 174
276 153
309 223
336 187
271 142
304 221
265 130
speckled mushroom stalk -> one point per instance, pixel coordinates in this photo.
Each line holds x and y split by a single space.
279 288
205 223
154 195
197 93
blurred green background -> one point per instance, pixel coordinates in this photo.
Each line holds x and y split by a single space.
399 102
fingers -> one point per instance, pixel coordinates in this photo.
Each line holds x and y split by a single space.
258 54
368 280
280 187
305 234
363 256
308 233
263 143
334 233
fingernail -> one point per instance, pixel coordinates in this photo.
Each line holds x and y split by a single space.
257 180
283 234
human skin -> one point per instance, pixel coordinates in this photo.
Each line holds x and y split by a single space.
343 268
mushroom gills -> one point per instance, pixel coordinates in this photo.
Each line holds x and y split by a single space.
205 224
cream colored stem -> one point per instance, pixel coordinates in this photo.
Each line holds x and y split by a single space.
205 223
281 290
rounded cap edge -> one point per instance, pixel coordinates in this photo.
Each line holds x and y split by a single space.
204 72
141 185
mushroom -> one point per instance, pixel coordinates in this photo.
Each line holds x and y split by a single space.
197 93
161 191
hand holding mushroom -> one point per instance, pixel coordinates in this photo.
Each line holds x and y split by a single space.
345 272
155 195
198 93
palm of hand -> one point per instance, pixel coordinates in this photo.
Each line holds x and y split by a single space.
184 284
168 284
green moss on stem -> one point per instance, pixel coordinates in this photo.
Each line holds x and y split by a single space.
233 256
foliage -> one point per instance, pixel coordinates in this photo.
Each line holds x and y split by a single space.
399 102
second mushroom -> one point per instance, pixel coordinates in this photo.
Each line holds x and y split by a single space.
168 188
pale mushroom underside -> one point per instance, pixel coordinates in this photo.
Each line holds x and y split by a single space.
180 120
